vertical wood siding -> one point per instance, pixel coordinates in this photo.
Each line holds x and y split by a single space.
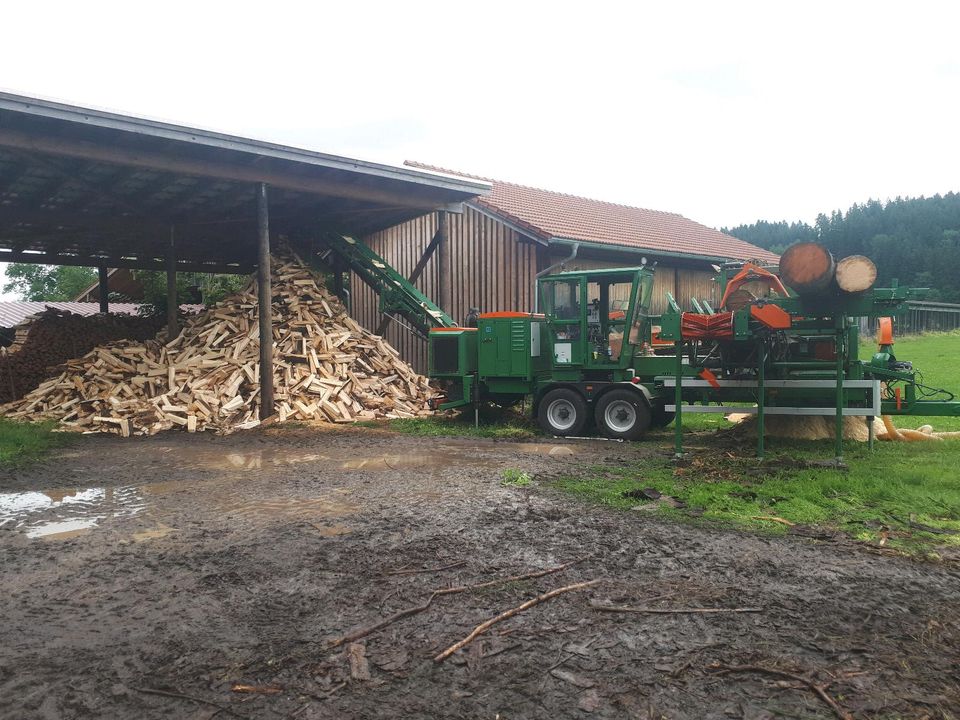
488 266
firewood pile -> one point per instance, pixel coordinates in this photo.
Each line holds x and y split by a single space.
326 368
51 337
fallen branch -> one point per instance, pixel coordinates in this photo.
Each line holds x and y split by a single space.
257 689
370 629
427 570
483 627
774 518
819 690
191 698
672 611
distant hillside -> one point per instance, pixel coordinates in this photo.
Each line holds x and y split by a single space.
916 240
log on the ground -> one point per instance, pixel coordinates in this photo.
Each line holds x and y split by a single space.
856 274
807 267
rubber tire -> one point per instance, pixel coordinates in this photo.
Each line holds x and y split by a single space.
660 418
640 406
579 406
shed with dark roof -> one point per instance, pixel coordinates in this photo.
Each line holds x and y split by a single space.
490 254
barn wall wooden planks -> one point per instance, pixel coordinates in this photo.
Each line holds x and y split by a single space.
491 267
488 266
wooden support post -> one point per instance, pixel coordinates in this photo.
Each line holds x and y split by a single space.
103 289
264 298
444 284
172 304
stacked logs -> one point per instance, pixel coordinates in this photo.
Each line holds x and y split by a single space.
51 337
326 368
809 268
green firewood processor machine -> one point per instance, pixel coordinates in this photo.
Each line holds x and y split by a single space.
594 360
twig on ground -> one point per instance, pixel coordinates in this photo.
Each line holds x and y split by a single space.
774 518
672 611
427 570
370 629
819 690
483 627
190 698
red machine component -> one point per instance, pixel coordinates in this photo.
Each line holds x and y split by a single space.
750 273
696 326
772 316
707 375
885 331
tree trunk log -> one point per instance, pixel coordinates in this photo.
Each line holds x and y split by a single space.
807 267
856 274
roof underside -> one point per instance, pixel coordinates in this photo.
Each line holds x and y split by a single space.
549 215
86 187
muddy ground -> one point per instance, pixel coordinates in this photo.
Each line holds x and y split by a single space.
187 564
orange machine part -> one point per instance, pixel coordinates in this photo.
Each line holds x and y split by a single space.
509 314
885 331
710 378
773 316
749 273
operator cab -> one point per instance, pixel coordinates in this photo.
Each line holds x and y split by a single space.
597 317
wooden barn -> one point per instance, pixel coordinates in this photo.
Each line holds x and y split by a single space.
488 256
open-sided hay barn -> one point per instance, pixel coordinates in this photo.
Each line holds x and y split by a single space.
488 256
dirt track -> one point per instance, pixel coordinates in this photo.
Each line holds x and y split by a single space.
216 561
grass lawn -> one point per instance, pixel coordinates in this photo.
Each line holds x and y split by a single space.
905 495
22 443
937 357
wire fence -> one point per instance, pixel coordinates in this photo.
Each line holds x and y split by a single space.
921 317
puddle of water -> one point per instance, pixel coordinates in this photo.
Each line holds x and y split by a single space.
161 531
67 512
332 530
63 529
284 507
551 450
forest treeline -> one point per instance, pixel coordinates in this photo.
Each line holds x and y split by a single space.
913 240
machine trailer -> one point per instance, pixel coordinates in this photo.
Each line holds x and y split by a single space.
594 360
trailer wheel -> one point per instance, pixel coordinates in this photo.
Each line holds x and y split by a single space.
659 417
562 412
622 414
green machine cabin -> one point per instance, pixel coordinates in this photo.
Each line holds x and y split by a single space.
575 357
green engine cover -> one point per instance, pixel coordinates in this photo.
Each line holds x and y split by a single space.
509 345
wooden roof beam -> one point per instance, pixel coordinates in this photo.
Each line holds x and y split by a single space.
128 261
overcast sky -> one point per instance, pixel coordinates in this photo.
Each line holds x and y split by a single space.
725 112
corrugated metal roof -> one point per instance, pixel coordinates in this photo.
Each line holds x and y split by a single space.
14 313
92 188
552 215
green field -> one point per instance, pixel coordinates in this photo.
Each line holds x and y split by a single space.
903 495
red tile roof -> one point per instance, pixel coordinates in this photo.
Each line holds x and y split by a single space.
547 215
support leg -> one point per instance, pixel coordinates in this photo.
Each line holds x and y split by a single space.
678 401
172 304
761 398
264 297
103 289
841 352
